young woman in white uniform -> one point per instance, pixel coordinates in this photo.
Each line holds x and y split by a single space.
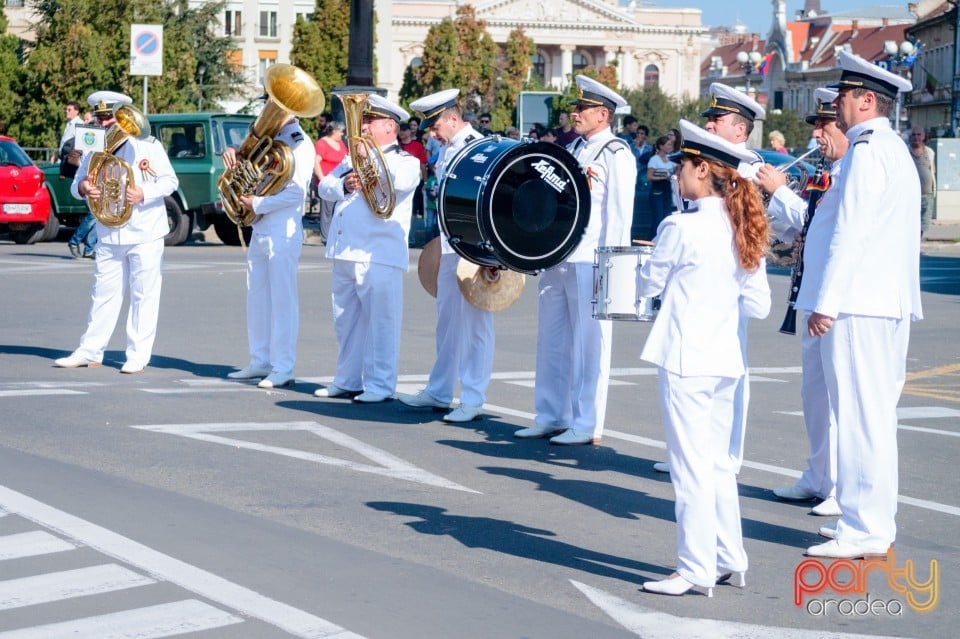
708 267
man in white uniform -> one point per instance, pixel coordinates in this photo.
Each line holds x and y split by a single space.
863 304
789 213
273 309
731 116
369 256
130 255
465 335
573 348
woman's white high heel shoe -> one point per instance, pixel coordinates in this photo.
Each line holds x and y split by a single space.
675 585
736 578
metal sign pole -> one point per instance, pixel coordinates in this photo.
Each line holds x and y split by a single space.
145 95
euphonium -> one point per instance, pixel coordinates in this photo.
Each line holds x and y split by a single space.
367 159
264 165
110 174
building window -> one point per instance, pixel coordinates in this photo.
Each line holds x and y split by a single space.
268 24
232 25
651 76
539 66
266 60
14 3
579 62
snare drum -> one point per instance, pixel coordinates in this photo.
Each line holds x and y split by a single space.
522 205
616 276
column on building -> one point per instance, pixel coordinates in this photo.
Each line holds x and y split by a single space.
566 62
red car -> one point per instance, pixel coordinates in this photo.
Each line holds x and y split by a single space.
24 199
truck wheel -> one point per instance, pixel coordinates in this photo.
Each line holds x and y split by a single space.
227 232
178 221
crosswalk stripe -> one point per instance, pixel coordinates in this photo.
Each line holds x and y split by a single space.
35 392
31 544
67 584
164 620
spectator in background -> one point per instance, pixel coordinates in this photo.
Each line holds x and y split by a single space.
87 116
512 132
659 170
431 191
470 117
549 136
484 124
72 111
629 130
323 120
565 132
411 145
430 143
330 150
925 160
641 149
778 142
414 123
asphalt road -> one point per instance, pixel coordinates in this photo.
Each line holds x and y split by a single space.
176 503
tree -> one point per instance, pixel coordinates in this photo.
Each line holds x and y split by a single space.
321 46
9 67
512 77
793 126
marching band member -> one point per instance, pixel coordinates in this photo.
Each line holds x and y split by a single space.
369 256
731 116
695 341
868 252
573 348
128 255
790 218
273 309
465 335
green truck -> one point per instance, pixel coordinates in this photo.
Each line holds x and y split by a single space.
195 143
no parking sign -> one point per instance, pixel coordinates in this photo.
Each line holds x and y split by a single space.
146 49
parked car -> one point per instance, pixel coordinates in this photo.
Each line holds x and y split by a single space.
24 199
195 143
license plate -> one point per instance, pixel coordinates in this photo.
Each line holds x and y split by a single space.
17 208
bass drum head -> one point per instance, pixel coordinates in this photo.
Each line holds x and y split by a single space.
535 206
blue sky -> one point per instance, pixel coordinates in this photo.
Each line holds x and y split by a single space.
758 14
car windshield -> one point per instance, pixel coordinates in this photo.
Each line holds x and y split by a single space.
12 155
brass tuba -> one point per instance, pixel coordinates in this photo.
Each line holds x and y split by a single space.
367 159
110 174
264 165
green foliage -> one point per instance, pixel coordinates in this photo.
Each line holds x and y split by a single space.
321 46
9 67
513 72
82 47
793 126
661 112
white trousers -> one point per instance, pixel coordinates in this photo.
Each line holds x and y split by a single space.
273 310
573 352
697 415
367 314
820 475
465 341
139 266
865 365
741 401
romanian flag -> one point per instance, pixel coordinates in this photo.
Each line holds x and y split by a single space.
767 59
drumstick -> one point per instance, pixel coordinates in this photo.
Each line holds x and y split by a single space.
644 243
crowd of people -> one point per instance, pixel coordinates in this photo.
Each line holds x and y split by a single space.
857 298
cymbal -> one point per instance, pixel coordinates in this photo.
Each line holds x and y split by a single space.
428 266
486 293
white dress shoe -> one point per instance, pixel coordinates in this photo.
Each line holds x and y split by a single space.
131 368
793 493
674 585
370 398
828 530
249 372
276 380
464 413
335 392
736 578
836 549
539 431
76 360
423 399
662 467
827 508
572 438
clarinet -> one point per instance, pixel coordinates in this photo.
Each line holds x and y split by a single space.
789 325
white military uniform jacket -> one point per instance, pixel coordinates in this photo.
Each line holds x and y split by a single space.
611 203
282 213
154 175
862 252
447 153
704 290
356 234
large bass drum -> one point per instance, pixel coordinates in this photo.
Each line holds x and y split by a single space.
519 205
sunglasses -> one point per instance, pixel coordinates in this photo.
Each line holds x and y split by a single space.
484 121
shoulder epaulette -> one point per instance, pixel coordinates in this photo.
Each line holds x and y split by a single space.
616 144
469 138
864 137
150 139
297 136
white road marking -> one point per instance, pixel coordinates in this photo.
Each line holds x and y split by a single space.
769 468
932 431
651 624
67 584
163 567
164 620
388 465
31 544
205 390
35 392
905 412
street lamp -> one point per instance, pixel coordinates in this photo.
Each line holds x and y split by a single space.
749 63
898 60
200 71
